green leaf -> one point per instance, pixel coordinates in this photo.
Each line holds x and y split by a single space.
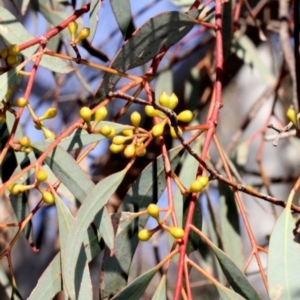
66 169
7 79
122 13
247 51
136 288
283 259
15 33
161 290
157 35
94 202
230 225
50 283
82 278
82 138
94 11
145 190
234 275
228 294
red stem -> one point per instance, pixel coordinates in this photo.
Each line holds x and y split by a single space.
45 37
212 122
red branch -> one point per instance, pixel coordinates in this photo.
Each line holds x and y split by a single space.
212 122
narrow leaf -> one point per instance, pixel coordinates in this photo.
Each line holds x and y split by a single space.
234 275
50 283
161 290
230 225
283 260
86 214
135 290
7 79
228 294
82 278
158 34
246 50
94 11
122 12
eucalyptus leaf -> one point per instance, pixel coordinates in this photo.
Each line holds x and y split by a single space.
234 275
155 36
161 290
94 202
7 79
94 11
284 256
137 287
230 225
82 279
122 13
247 51
50 283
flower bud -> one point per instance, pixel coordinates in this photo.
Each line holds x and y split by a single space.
83 34
145 235
158 129
177 232
185 116
49 114
135 118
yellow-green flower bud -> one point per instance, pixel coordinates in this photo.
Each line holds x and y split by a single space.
25 141
185 116
11 60
127 132
292 116
20 102
83 34
73 26
48 133
177 232
116 148
144 235
158 129
119 139
173 101
164 99
17 188
135 118
100 114
86 114
41 175
13 50
150 111
153 211
129 151
48 198
49 114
